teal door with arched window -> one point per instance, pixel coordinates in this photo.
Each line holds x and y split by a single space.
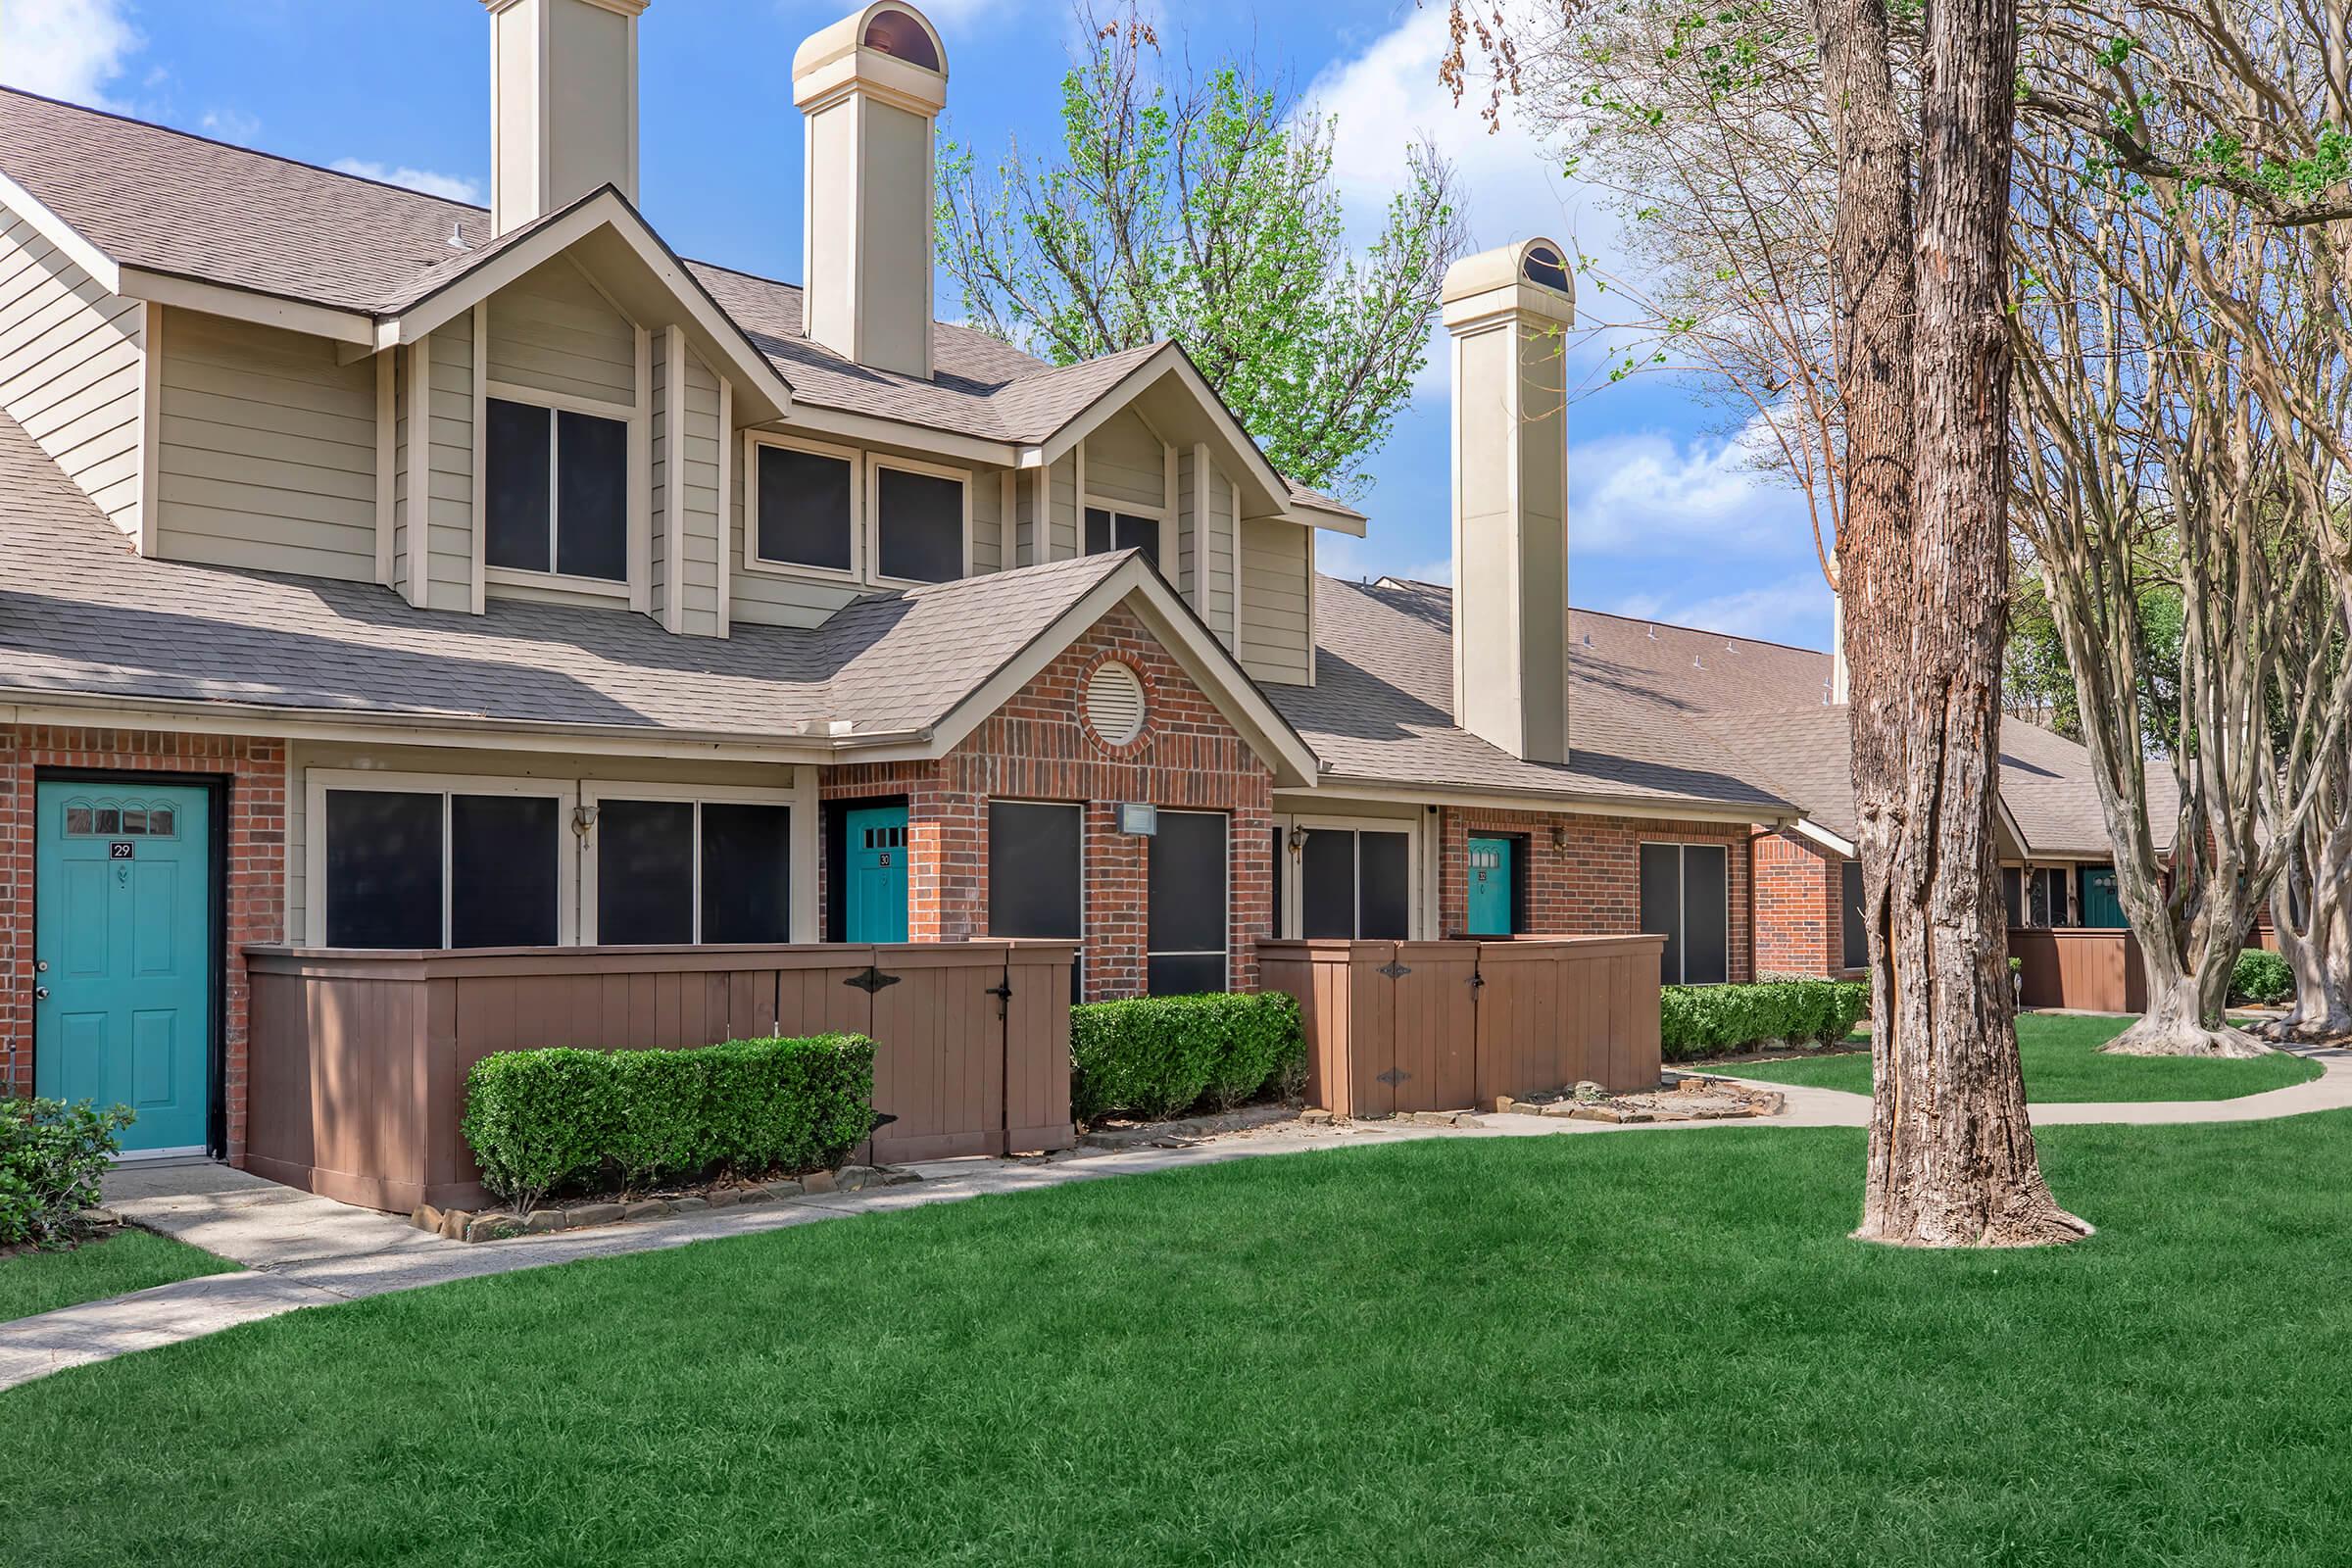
874 906
123 941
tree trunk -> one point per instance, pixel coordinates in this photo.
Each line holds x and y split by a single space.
1951 1150
2318 950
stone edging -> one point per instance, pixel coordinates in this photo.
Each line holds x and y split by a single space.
503 1224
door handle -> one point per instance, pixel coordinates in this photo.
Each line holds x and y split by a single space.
40 993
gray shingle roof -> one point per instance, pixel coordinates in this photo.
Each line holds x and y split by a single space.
1654 710
171 202
1381 708
81 613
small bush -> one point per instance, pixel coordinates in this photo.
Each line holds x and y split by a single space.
1709 1020
539 1120
2260 976
1159 1056
52 1156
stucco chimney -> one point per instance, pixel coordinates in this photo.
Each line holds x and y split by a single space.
1507 311
563 103
869 88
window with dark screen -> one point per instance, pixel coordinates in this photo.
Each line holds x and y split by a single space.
1355 885
644 871
504 871
747 872
1036 884
1107 531
1685 897
556 491
1186 917
805 508
384 869
918 525
1856 934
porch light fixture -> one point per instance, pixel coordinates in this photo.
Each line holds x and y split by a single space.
1298 839
1559 837
1140 818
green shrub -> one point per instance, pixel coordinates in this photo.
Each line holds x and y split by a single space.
2260 976
539 1120
52 1156
1159 1056
1709 1020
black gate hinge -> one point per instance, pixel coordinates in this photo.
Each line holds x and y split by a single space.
1395 970
872 979
1393 1076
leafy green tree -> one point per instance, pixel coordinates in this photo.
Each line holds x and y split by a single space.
1205 211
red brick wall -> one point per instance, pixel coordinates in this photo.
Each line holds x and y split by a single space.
254 771
1801 919
1586 880
1036 748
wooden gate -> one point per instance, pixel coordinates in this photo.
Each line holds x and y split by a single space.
358 1058
1401 1026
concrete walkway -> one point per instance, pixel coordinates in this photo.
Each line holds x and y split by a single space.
301 1250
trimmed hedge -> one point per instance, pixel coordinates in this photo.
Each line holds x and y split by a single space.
1159 1056
52 1156
1709 1020
538 1120
2260 976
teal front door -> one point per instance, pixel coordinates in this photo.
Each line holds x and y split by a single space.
2100 906
1491 900
875 907
123 999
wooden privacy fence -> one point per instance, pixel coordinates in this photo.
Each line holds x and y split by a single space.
2094 970
357 1059
1397 1026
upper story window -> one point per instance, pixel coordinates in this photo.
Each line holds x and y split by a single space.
922 521
1108 530
557 491
804 506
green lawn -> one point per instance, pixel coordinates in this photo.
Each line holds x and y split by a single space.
2063 1063
1654 1347
130 1261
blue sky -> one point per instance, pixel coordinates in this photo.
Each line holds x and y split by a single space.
1664 522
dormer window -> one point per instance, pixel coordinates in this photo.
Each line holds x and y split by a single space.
804 506
557 491
1108 530
1543 264
922 521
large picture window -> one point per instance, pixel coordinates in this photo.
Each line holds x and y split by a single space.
417 864
1355 883
687 869
804 506
556 489
1107 531
1036 883
1686 895
920 518
1186 939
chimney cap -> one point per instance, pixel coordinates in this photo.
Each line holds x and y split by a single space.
1528 276
627 8
888 48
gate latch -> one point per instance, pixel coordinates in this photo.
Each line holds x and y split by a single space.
872 979
1003 991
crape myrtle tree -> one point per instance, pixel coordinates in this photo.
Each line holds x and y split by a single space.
1904 137
1202 208
2184 390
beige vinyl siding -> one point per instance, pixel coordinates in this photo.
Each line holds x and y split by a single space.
449 497
266 457
1025 520
1216 600
72 369
1125 463
768 597
697 575
1187 533
345 756
1277 560
400 470
551 331
659 422
988 509
1062 509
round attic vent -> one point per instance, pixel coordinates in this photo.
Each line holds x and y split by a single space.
1115 702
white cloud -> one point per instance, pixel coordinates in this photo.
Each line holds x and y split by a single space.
230 124
68 49
1388 95
450 187
1791 609
1639 493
